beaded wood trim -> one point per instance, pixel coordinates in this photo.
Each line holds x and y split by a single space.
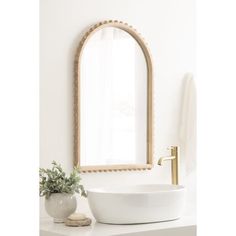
140 40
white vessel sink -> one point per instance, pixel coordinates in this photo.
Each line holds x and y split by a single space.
137 203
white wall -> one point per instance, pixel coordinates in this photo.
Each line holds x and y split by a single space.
167 26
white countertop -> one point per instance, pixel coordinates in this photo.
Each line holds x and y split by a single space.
187 221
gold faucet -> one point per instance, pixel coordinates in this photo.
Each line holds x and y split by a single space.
174 157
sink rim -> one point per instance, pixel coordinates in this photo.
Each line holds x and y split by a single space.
122 189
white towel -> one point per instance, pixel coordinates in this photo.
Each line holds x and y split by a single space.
188 125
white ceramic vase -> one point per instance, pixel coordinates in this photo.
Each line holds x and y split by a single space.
60 206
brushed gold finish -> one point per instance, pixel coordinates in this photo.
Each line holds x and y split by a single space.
174 157
129 29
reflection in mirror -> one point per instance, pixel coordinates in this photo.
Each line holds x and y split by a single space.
113 100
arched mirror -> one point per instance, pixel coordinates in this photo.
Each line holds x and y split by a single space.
113 100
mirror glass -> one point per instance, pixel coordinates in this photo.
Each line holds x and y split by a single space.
113 100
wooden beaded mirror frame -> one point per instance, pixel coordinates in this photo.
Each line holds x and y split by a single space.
77 111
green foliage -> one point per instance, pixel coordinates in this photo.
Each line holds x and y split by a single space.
56 181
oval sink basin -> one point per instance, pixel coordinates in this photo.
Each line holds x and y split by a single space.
137 203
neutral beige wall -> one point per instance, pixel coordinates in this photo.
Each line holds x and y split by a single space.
168 27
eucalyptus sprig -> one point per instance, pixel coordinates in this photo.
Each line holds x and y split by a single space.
55 181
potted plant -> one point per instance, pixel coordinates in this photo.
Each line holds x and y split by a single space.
59 191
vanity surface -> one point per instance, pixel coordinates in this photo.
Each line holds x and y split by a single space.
186 225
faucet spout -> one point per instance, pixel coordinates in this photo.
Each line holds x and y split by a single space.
162 159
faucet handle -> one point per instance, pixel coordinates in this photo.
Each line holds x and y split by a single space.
174 150
172 147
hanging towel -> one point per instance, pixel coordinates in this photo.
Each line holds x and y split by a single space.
188 124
